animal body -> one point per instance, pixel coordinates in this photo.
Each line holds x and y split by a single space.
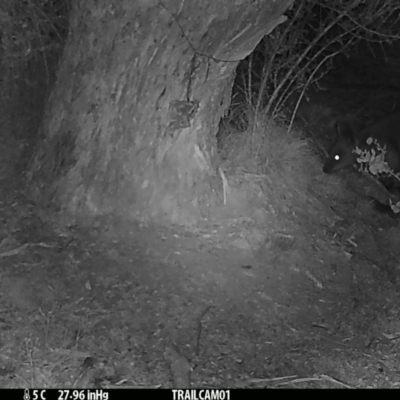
374 149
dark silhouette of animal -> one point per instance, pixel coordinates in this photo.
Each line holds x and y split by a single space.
374 149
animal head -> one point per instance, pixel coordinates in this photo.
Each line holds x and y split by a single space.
342 153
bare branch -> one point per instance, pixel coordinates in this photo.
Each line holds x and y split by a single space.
300 52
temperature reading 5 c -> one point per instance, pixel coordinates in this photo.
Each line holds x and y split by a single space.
38 395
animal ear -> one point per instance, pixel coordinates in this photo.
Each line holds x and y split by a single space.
345 132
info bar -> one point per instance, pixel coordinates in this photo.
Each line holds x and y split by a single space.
120 394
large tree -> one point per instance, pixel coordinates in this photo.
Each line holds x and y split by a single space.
130 124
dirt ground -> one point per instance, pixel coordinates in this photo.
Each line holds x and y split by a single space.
107 303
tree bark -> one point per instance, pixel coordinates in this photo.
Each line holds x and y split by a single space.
130 125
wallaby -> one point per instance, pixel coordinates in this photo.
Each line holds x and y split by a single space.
374 149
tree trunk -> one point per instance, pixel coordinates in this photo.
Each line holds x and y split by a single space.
130 125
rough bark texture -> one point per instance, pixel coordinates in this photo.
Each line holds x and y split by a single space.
130 126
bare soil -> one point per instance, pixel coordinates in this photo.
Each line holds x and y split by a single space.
106 303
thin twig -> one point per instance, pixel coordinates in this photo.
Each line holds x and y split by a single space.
280 378
199 329
317 378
